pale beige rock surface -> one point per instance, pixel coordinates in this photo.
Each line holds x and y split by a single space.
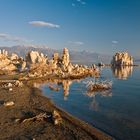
122 59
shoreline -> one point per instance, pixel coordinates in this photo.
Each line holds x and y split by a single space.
91 130
29 102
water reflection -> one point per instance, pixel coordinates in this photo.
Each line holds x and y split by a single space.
94 104
63 87
122 72
56 85
66 86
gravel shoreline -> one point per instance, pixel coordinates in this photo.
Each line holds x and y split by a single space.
29 102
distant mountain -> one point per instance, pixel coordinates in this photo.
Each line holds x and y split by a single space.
22 50
83 57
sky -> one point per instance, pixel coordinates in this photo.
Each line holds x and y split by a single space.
103 26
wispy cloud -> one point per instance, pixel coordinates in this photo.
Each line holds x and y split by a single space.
76 43
114 42
44 24
81 2
73 4
8 37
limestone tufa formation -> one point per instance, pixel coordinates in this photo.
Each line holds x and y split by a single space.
11 63
5 61
122 59
65 57
38 65
34 57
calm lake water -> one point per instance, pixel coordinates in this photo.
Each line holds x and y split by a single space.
116 112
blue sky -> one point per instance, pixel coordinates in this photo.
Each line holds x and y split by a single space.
103 26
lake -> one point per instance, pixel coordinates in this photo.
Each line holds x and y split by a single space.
116 111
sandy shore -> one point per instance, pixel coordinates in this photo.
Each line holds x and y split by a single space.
30 102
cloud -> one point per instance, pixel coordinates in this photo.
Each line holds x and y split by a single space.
114 42
8 37
81 2
75 43
3 35
44 24
73 4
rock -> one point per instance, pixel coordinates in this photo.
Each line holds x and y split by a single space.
10 67
6 64
17 120
18 83
3 52
23 66
65 57
11 103
14 56
9 85
40 66
122 59
55 57
57 118
34 57
10 89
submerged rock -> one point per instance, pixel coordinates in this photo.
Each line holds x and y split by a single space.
98 86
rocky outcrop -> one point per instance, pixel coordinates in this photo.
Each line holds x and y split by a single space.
23 66
34 57
3 52
38 65
5 62
14 57
65 57
122 59
11 63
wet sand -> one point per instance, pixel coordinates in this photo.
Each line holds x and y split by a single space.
29 102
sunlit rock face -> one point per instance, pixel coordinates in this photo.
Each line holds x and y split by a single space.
122 72
122 59
3 53
12 62
14 56
23 66
55 61
56 57
39 65
65 57
34 57
5 62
